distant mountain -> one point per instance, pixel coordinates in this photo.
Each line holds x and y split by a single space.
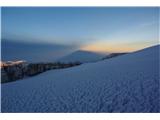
81 56
113 55
13 50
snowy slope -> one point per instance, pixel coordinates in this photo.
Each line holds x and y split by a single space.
81 56
128 83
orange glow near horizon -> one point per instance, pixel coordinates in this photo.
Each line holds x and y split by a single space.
107 48
111 47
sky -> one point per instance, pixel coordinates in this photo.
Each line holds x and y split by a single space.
105 29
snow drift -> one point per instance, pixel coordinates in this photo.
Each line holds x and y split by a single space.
128 83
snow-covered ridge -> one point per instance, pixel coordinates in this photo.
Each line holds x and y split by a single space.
16 70
128 83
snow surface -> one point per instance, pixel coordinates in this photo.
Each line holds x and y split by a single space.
81 56
128 83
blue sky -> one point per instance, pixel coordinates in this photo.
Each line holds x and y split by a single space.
95 29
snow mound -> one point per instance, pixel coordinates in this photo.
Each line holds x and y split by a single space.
81 56
128 83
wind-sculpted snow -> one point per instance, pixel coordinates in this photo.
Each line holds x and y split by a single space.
128 83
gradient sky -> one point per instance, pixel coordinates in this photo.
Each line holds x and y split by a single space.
95 29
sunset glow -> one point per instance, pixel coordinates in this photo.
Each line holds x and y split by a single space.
92 29
110 47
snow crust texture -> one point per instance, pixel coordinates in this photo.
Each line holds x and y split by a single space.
128 83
